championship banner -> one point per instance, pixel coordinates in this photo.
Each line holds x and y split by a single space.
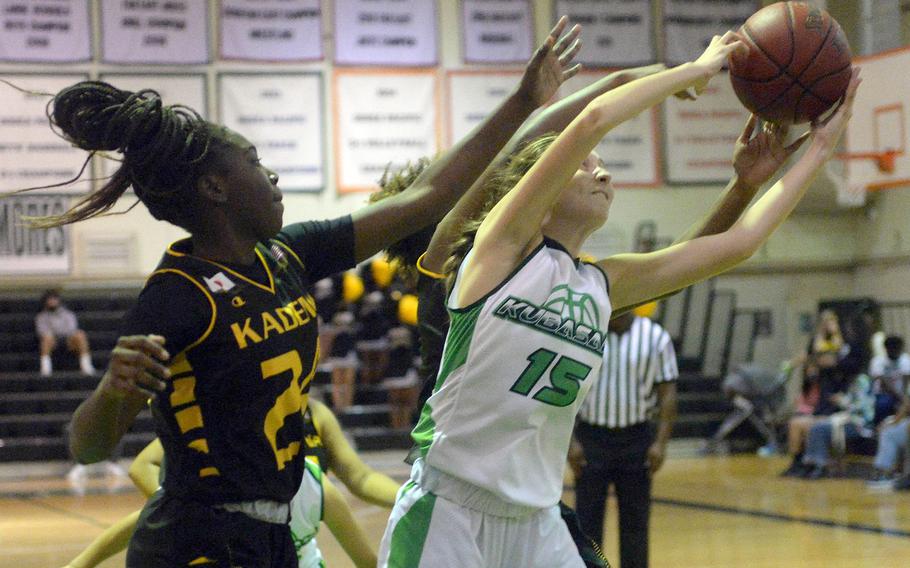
31 154
473 95
383 119
154 32
271 30
45 31
175 89
25 251
700 134
617 33
282 115
497 31
399 33
689 25
630 151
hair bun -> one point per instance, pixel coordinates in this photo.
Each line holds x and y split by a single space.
98 116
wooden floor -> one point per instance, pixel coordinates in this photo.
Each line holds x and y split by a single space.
708 512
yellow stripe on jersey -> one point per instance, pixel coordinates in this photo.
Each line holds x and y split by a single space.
184 391
189 419
180 365
209 471
202 560
200 445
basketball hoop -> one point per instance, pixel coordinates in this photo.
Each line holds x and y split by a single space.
883 160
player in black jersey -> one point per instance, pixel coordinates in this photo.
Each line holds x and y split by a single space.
224 333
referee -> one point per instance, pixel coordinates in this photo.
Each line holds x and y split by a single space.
615 440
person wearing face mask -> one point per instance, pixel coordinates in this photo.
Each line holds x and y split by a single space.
56 324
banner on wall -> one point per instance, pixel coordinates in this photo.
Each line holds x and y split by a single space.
183 89
45 31
497 31
154 32
689 25
617 33
399 33
383 120
700 134
282 115
33 251
473 95
630 151
31 154
271 30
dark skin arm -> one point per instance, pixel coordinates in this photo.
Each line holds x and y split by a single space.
441 185
666 402
136 371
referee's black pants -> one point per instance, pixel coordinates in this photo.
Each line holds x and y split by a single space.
617 456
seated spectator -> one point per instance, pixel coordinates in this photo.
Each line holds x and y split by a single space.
854 420
372 344
893 437
56 323
890 374
401 377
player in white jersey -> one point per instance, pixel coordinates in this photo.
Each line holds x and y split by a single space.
525 320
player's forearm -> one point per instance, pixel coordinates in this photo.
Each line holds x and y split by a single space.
725 211
97 426
114 539
557 116
378 489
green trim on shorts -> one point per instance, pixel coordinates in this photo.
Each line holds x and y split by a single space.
410 534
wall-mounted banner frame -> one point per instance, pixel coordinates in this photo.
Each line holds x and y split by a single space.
31 153
700 134
282 114
689 25
45 31
617 33
383 119
188 89
155 33
473 95
271 30
497 31
631 151
394 33
26 251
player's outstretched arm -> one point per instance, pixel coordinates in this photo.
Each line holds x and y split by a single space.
440 186
344 526
136 372
553 118
513 227
638 277
114 539
363 481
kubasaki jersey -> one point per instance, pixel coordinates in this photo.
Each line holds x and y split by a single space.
515 369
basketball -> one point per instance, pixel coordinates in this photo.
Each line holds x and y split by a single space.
797 66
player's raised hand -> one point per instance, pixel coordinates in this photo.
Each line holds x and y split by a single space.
136 367
551 65
826 134
715 56
759 153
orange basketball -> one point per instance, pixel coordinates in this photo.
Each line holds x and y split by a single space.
798 63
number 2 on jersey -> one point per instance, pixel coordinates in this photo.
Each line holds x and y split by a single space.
287 404
565 378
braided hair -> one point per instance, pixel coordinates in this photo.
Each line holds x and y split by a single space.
165 149
498 185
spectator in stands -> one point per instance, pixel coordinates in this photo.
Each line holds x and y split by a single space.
372 344
401 377
889 374
343 361
825 352
893 437
57 323
854 420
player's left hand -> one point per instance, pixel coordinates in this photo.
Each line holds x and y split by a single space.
551 65
759 155
656 455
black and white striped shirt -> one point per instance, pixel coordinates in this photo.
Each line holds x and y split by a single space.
634 362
